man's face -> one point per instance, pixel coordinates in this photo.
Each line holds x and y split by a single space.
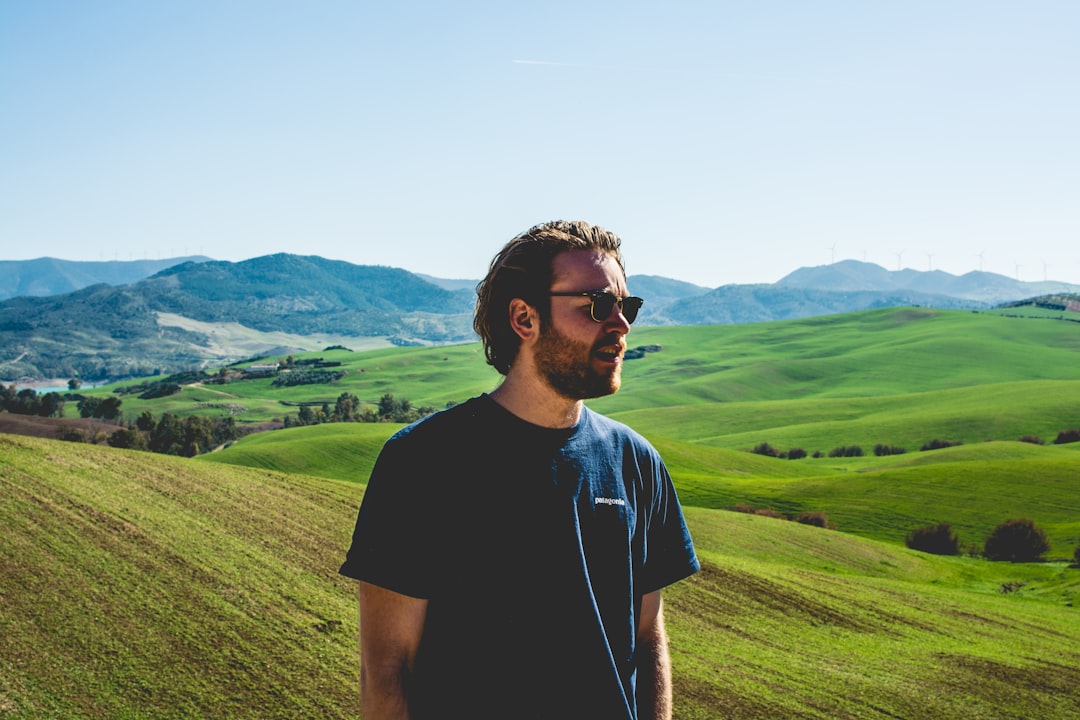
576 356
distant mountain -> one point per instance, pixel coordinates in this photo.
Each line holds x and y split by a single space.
49 276
184 316
733 304
983 287
201 313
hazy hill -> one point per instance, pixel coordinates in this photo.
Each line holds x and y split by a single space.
196 314
193 314
50 276
140 585
851 276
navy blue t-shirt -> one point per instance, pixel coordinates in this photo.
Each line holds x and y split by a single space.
533 546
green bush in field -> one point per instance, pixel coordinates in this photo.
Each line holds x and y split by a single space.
1067 436
815 518
936 539
1019 540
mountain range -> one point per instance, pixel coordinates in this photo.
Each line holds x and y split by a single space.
110 320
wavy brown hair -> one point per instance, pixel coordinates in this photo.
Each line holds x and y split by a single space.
522 269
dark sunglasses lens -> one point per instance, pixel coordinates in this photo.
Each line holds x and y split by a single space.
602 305
630 307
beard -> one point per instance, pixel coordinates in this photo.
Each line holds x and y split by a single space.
567 366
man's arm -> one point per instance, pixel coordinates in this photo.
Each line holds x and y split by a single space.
390 628
653 661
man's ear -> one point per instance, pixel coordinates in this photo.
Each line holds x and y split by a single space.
524 320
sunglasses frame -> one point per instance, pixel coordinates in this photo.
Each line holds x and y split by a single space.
595 295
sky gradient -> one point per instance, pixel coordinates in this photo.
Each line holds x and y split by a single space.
726 142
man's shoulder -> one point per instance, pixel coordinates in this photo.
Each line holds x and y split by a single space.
603 426
453 421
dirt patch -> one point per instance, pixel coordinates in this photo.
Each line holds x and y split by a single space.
52 428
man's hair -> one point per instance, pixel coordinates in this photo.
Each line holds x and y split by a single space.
522 269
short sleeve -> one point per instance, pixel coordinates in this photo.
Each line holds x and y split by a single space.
670 550
392 544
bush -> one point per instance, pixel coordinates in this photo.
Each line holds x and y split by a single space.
882 450
1033 439
815 518
796 454
127 439
846 451
765 449
1067 436
1019 540
936 444
936 539
1076 556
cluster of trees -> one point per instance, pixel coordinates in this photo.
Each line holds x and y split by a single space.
349 408
1015 540
101 408
172 435
28 402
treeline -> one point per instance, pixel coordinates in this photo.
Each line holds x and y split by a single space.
797 453
173 435
28 402
349 408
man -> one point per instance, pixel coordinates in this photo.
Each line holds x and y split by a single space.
511 550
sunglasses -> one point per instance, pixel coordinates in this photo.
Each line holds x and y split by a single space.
602 303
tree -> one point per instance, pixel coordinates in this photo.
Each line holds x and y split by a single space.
74 384
346 408
89 407
127 438
936 539
1019 540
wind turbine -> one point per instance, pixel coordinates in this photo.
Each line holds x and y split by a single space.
898 256
1017 266
929 262
832 251
980 256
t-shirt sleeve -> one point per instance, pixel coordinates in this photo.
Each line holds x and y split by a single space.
392 543
670 555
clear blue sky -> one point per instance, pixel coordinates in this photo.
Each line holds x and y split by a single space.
726 142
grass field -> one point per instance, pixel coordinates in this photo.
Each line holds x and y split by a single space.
143 586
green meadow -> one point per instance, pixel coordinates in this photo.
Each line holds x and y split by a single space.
135 585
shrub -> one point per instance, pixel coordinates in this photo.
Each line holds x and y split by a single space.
846 451
881 450
765 449
1033 439
128 439
1076 556
816 518
1067 436
1019 540
936 539
936 444
796 454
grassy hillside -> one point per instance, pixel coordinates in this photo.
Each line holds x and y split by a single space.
135 585
139 586
897 377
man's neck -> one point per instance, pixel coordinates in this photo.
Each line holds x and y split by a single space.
537 403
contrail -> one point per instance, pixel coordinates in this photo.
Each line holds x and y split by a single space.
544 62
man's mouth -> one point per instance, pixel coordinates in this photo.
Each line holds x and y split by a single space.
610 353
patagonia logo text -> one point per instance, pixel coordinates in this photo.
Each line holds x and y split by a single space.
609 501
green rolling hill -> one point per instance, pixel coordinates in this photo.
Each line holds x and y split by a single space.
140 585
